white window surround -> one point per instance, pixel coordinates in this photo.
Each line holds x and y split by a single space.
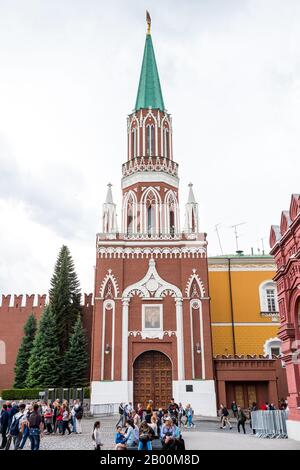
2 352
263 297
152 332
269 344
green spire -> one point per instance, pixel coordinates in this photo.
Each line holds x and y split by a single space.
149 92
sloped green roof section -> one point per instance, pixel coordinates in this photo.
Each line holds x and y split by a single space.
149 91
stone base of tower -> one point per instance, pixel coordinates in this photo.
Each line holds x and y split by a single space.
293 429
110 392
202 398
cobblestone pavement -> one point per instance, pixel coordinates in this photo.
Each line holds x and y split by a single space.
206 435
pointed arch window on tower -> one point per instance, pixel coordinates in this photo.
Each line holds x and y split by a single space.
166 143
150 219
172 222
130 216
134 142
150 134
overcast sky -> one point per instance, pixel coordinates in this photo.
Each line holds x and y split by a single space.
69 71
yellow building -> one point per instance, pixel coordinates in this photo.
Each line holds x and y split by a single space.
244 307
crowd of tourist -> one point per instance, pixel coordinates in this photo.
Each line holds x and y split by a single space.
19 422
140 428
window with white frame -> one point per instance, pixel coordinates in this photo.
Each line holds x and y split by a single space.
272 347
268 298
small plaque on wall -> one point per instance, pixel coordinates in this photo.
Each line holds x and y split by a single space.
189 388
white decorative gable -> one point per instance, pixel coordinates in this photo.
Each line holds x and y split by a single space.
152 286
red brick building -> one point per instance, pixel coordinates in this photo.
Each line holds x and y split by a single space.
151 326
285 247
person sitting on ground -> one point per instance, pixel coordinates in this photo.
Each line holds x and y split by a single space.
173 409
165 416
149 411
168 435
179 442
129 433
154 426
96 436
120 439
145 437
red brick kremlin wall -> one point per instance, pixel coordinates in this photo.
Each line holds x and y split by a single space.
14 312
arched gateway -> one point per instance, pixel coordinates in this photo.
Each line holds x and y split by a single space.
152 379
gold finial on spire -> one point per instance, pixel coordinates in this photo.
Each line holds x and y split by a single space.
148 19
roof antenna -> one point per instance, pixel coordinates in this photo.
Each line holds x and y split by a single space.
263 246
236 234
218 235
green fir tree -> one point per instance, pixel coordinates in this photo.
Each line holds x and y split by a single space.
45 360
65 297
21 366
76 358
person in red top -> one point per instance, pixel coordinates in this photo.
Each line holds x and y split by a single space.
265 406
59 417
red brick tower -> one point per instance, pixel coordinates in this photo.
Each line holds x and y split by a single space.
151 327
285 247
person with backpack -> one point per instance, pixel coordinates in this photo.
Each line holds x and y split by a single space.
241 419
78 408
234 409
25 427
96 436
15 427
181 414
35 427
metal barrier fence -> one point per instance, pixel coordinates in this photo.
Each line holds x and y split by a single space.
104 409
270 424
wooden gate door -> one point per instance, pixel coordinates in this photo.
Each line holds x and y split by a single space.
152 379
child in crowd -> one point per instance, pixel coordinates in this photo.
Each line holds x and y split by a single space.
96 436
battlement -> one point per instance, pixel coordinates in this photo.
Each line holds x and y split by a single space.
37 301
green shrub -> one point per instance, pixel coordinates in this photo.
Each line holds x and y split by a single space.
33 393
20 394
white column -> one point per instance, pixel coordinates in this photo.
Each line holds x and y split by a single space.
179 332
125 310
113 344
103 339
202 341
192 338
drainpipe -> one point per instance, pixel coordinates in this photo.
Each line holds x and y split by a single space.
231 305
